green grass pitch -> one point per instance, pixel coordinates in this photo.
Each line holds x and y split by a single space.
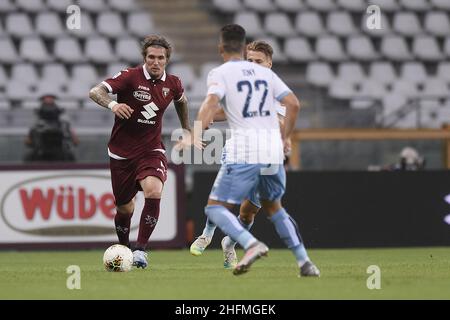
413 273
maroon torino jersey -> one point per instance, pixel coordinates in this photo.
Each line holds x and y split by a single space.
141 133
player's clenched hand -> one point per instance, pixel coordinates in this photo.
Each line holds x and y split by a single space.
122 110
287 146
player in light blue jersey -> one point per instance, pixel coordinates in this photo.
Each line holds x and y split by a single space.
253 156
259 52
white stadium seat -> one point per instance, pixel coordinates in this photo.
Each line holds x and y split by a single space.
278 24
436 87
427 48
250 22
59 5
321 5
229 6
361 48
441 4
372 89
94 6
48 25
24 72
342 89
19 25
110 24
395 48
382 72
299 50
129 50
140 24
385 5
319 74
30 5
330 48
407 23
340 23
8 53
443 71
413 72
352 5
293 6
85 73
437 23
415 5
54 72
86 29
33 49
7 6
351 72
68 50
309 24
99 50
123 5
259 5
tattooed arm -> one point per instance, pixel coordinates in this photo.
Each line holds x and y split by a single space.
183 112
99 94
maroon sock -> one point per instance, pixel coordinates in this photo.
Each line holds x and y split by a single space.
149 219
122 222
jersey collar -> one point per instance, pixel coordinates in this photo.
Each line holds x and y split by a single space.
148 77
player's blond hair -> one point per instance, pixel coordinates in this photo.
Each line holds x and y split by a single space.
156 40
261 46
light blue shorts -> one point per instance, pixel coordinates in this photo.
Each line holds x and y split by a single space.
236 182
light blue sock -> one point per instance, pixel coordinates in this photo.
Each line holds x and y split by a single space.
228 223
230 242
209 228
288 231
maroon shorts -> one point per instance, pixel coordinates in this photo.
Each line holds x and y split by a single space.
126 174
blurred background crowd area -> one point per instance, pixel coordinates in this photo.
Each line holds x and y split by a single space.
346 75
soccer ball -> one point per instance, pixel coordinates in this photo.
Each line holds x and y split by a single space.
118 258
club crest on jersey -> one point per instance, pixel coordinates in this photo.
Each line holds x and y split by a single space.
165 92
142 95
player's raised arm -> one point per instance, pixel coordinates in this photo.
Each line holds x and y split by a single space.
181 106
208 109
292 105
99 94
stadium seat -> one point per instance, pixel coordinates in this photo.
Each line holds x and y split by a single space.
407 23
415 5
382 72
291 6
140 24
319 74
94 6
414 72
330 48
341 89
19 25
321 5
78 90
309 24
24 72
59 5
406 88
356 6
48 25
250 22
385 5
49 87
426 48
87 30
129 50
436 87
68 50
205 69
185 72
340 23
437 23
259 5
447 47
31 6
395 48
372 89
99 50
7 6
361 48
441 4
392 102
351 72
123 5
33 49
85 73
279 25
8 53
230 6
299 50
18 90
54 72
114 68
376 33
3 76
443 71
110 24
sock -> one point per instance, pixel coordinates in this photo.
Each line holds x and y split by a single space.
229 224
288 231
149 219
122 222
209 228
230 242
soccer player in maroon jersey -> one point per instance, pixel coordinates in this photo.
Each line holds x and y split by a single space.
136 151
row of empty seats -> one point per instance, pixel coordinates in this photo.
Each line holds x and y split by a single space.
231 6
49 24
8 6
342 23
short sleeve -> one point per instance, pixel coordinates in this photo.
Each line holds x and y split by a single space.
178 90
215 84
118 82
280 89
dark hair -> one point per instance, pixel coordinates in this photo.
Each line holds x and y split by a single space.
156 40
232 37
261 46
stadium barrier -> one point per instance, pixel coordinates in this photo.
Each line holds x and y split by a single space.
353 209
71 206
369 134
